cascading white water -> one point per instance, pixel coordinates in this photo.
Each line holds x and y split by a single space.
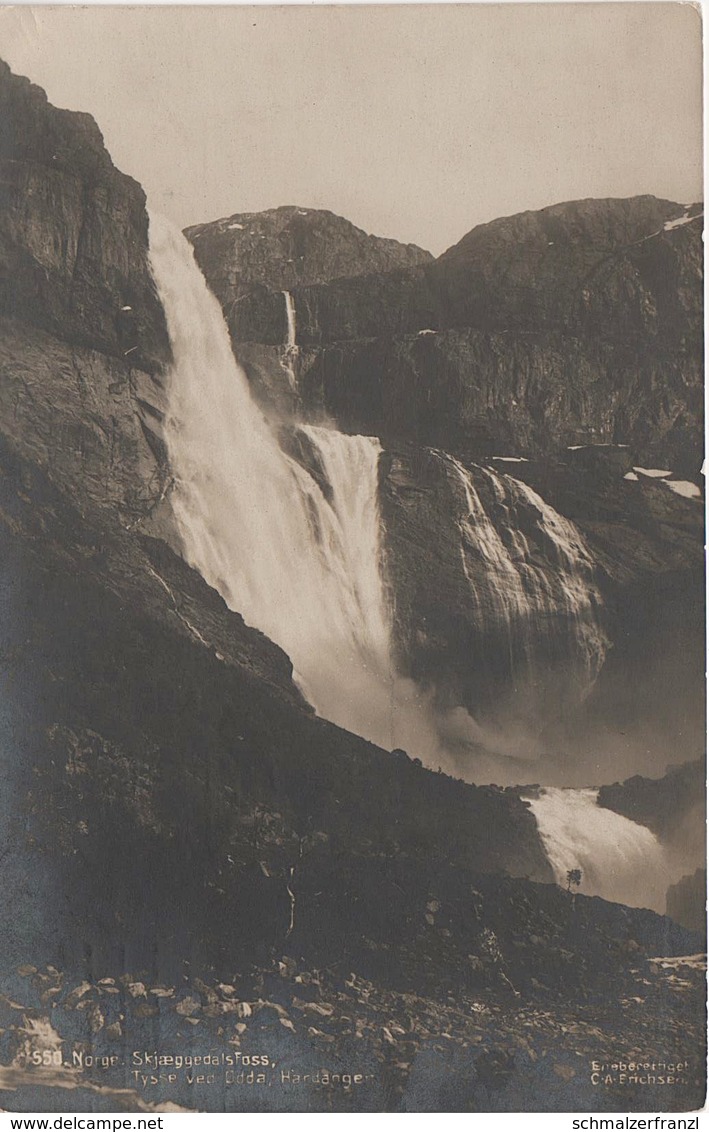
527 593
574 574
257 525
619 859
506 587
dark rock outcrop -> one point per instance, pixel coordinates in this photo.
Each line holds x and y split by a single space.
613 269
580 323
687 902
287 247
73 232
251 259
514 393
83 341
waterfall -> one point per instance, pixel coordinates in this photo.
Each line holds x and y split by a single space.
290 319
298 561
537 576
291 350
296 547
619 859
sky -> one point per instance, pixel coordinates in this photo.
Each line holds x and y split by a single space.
414 122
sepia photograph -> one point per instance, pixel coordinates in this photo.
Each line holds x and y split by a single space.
352 646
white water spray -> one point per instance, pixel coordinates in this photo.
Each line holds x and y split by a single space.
619 859
299 561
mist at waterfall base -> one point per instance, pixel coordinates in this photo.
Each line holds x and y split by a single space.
301 567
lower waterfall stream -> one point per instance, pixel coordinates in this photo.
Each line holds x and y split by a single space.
619 859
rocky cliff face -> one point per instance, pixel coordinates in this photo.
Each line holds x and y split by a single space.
485 393
83 344
626 269
578 324
253 261
74 232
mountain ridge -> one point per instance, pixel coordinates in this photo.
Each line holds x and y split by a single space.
301 247
579 323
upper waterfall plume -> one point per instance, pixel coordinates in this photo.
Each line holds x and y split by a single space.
301 565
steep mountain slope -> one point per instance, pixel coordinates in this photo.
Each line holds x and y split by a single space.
578 324
254 260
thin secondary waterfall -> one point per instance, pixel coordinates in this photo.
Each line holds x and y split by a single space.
291 350
301 567
619 859
290 319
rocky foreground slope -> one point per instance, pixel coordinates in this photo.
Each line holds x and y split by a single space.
529 1031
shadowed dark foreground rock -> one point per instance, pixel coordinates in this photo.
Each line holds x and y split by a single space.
290 1036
